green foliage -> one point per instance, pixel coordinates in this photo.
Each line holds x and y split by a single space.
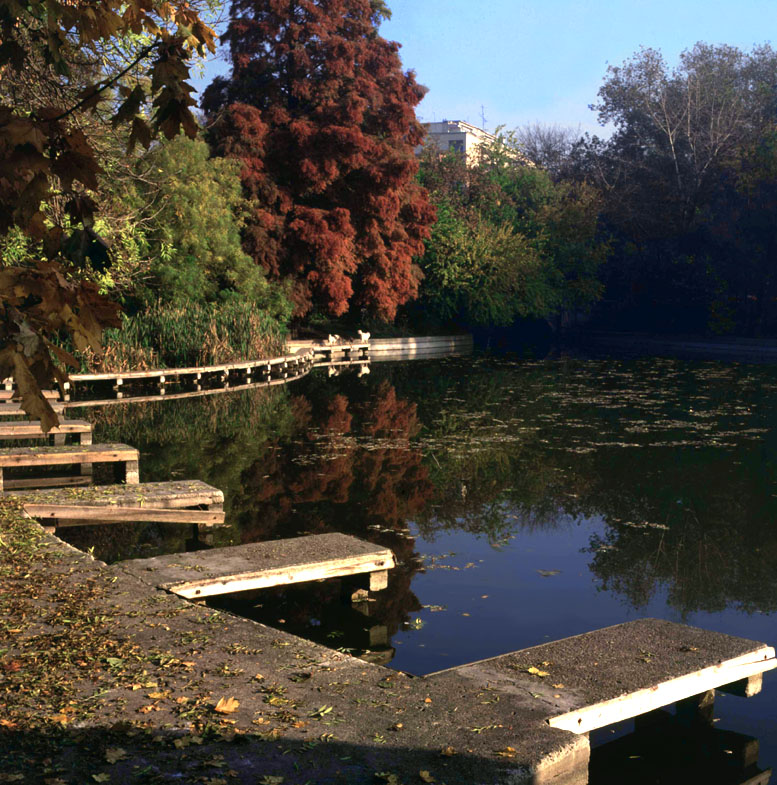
175 236
165 335
509 242
17 249
194 241
487 273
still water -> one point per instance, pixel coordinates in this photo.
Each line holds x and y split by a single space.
524 501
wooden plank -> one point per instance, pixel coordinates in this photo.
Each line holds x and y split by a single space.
15 410
173 494
110 514
58 456
44 482
31 429
260 565
7 395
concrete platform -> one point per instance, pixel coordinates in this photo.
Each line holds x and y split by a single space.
259 565
85 455
150 501
593 680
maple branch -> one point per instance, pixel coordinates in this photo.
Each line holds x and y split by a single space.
108 83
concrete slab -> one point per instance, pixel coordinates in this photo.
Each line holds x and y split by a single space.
602 677
260 565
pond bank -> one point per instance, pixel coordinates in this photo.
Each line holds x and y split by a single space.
751 350
107 679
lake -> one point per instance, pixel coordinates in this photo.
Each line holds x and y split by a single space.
525 500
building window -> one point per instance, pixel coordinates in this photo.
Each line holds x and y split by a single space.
457 145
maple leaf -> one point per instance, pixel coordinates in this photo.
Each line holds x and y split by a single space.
227 706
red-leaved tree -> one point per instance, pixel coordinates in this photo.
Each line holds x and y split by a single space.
322 116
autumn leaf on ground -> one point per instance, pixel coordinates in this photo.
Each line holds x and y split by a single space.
115 754
388 777
507 752
270 780
537 672
101 777
448 752
426 776
227 706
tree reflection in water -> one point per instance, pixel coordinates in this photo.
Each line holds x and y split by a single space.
677 459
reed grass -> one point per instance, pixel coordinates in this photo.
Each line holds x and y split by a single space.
167 336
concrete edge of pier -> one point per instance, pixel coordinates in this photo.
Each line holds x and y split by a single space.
304 707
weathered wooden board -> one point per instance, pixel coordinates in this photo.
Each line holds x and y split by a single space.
175 494
13 409
43 482
112 514
6 395
31 429
86 455
260 565
66 454
620 672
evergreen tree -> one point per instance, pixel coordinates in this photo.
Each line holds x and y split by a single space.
322 117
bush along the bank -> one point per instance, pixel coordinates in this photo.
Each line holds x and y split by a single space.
174 336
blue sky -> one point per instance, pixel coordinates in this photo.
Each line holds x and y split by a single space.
544 61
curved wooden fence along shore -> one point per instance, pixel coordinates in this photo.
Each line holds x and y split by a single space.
301 358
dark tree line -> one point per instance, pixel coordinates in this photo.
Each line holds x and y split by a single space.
688 185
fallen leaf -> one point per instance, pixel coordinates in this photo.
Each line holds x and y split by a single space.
270 780
388 777
537 672
426 776
558 686
115 754
227 706
507 752
448 752
101 777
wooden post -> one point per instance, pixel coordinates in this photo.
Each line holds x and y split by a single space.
131 473
378 580
697 710
378 636
59 438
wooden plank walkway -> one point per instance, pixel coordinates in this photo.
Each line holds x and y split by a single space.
224 371
259 565
51 395
150 501
14 457
620 672
31 429
13 409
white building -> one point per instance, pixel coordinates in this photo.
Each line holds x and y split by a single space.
458 136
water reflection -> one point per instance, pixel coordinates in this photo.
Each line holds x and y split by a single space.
667 467
662 751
